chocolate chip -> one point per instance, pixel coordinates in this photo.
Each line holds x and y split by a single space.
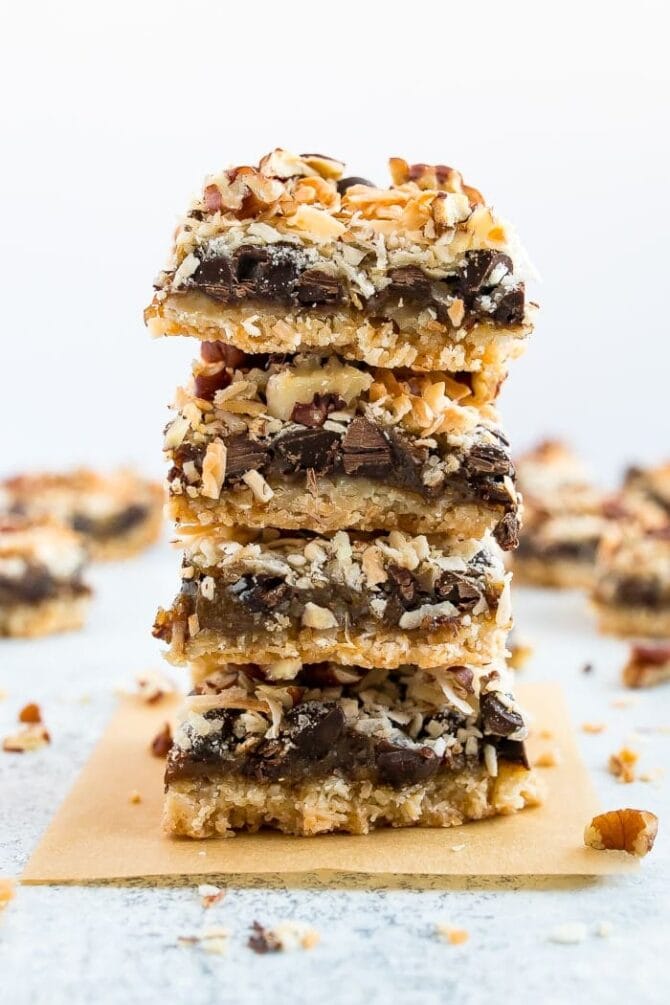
403 584
479 264
317 411
410 281
497 718
488 459
458 590
315 727
366 450
207 384
244 454
300 449
509 309
261 593
407 462
407 765
506 532
314 287
345 183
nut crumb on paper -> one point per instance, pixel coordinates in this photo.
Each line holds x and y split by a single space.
134 797
451 934
152 686
283 937
550 758
629 830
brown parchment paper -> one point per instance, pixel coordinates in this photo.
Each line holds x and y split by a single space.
99 834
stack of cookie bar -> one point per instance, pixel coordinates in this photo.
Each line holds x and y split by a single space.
343 493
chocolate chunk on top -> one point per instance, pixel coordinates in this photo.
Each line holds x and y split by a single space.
365 450
497 718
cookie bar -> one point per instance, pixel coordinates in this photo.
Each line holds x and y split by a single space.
358 599
632 590
291 256
564 519
118 514
346 749
41 586
321 443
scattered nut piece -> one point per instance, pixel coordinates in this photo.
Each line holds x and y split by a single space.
622 765
632 831
604 929
30 713
7 892
647 666
457 847
134 797
152 686
454 936
593 727
569 934
210 895
548 758
162 742
31 737
546 734
212 940
285 936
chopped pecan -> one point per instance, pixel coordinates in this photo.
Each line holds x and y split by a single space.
629 830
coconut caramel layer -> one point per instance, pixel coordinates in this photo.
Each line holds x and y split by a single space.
355 598
248 427
389 727
295 233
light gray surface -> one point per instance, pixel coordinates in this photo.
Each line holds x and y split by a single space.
119 944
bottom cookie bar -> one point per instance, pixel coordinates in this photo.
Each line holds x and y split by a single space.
41 586
332 748
201 808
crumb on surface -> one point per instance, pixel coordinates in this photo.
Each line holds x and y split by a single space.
282 937
134 797
549 758
7 891
212 940
451 934
210 894
593 727
622 764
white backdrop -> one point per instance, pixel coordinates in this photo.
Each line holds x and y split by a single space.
111 115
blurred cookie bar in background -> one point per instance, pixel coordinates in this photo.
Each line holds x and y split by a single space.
118 514
564 518
41 586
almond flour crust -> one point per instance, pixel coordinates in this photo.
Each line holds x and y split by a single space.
474 640
427 345
557 573
633 622
200 808
338 503
31 621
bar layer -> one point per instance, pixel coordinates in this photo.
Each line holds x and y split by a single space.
359 599
318 443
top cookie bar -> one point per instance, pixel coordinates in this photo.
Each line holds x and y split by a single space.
290 255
